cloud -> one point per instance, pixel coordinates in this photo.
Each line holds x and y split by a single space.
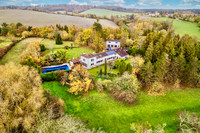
149 2
74 2
32 4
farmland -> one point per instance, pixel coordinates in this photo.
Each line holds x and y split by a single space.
39 19
182 27
105 12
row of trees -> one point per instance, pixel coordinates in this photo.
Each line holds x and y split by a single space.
170 59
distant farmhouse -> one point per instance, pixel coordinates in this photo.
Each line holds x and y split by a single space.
111 44
93 60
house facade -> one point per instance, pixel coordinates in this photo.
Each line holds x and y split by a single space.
113 43
93 60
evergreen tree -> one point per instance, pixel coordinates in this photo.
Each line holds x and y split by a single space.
129 68
58 39
66 28
122 67
147 74
106 66
161 67
149 52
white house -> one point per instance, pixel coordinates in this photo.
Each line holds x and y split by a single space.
113 43
93 60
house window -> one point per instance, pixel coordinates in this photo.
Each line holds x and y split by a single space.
92 64
83 59
111 45
92 59
115 45
109 42
108 45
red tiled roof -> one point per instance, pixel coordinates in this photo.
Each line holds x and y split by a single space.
77 60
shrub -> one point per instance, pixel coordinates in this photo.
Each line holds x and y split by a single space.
50 76
126 96
156 89
147 128
189 122
80 80
65 124
42 47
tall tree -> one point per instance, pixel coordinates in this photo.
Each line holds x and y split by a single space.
58 39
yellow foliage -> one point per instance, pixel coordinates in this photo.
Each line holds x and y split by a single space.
80 81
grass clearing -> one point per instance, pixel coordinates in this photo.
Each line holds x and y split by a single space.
14 53
100 110
105 12
74 52
5 41
182 27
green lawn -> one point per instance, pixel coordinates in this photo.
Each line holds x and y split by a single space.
4 41
182 27
104 12
14 53
74 52
100 110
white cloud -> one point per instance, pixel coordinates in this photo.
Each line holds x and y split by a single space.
149 2
32 4
74 2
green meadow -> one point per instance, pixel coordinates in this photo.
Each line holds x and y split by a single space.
99 110
182 27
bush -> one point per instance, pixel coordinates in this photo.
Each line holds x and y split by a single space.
50 76
126 96
156 89
189 122
42 47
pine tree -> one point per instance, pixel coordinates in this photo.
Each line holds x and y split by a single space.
106 66
129 68
147 74
58 39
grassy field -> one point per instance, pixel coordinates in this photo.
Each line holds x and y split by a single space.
100 110
13 55
75 52
34 18
105 12
4 41
182 27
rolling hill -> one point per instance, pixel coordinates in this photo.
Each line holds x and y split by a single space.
105 12
39 19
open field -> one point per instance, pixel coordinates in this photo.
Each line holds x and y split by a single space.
182 27
4 41
100 110
14 53
74 52
34 18
105 12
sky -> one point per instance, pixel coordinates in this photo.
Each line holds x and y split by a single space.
141 4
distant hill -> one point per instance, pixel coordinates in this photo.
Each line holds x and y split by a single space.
39 19
105 12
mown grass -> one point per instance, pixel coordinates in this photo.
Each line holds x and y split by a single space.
5 41
74 52
100 110
182 27
14 53
105 12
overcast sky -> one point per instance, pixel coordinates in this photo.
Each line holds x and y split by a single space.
167 4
